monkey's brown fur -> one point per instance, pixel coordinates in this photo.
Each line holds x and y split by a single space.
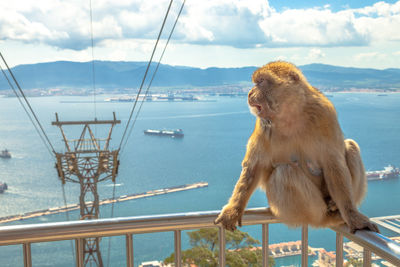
298 155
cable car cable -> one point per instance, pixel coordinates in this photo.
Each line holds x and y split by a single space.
46 144
145 75
154 74
28 104
27 112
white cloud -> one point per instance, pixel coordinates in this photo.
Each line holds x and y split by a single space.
237 23
381 9
107 28
381 21
370 57
136 45
16 26
281 57
315 54
223 22
313 27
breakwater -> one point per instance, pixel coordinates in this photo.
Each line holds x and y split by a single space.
71 207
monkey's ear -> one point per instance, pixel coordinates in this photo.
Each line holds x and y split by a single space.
294 76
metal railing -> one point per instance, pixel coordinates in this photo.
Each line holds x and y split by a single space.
127 226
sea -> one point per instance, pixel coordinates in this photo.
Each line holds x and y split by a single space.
216 132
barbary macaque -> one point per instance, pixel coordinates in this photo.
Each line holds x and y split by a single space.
297 154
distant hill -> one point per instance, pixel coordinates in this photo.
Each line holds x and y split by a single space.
328 76
117 75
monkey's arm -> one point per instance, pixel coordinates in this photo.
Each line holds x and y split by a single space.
338 179
249 178
232 212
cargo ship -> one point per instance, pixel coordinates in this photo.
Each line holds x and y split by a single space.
387 173
5 154
178 133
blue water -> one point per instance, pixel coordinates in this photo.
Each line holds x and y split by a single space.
211 151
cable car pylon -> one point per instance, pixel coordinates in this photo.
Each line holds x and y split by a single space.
88 160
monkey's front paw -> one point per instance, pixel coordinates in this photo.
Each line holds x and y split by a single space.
228 217
362 222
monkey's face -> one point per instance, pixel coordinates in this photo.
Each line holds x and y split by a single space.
278 89
262 99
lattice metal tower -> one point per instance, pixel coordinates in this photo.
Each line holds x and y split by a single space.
87 161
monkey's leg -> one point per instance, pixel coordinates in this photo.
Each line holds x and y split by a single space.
339 180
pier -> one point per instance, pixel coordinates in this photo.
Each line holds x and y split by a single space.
49 211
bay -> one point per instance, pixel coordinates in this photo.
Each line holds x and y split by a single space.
214 144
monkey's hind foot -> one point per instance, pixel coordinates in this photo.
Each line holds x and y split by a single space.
332 206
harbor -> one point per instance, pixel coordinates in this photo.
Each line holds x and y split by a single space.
44 212
202 155
154 97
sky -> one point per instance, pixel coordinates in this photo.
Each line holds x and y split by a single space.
209 33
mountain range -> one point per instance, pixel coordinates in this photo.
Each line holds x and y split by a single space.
111 75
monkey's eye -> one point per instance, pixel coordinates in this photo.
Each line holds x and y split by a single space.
260 81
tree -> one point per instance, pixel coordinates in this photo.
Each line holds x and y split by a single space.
354 262
241 250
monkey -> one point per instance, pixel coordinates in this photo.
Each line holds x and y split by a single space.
298 155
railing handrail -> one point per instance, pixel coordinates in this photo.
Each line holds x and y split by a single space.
43 232
374 242
56 231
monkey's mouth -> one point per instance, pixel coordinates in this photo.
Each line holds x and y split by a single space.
258 107
255 107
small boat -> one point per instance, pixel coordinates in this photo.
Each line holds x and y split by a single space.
387 173
5 154
178 133
3 187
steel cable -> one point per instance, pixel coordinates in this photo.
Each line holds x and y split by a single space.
144 77
154 73
35 126
26 111
28 104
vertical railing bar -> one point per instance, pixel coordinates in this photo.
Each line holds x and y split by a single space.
304 246
265 244
366 258
129 250
27 255
79 252
178 247
339 250
221 241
